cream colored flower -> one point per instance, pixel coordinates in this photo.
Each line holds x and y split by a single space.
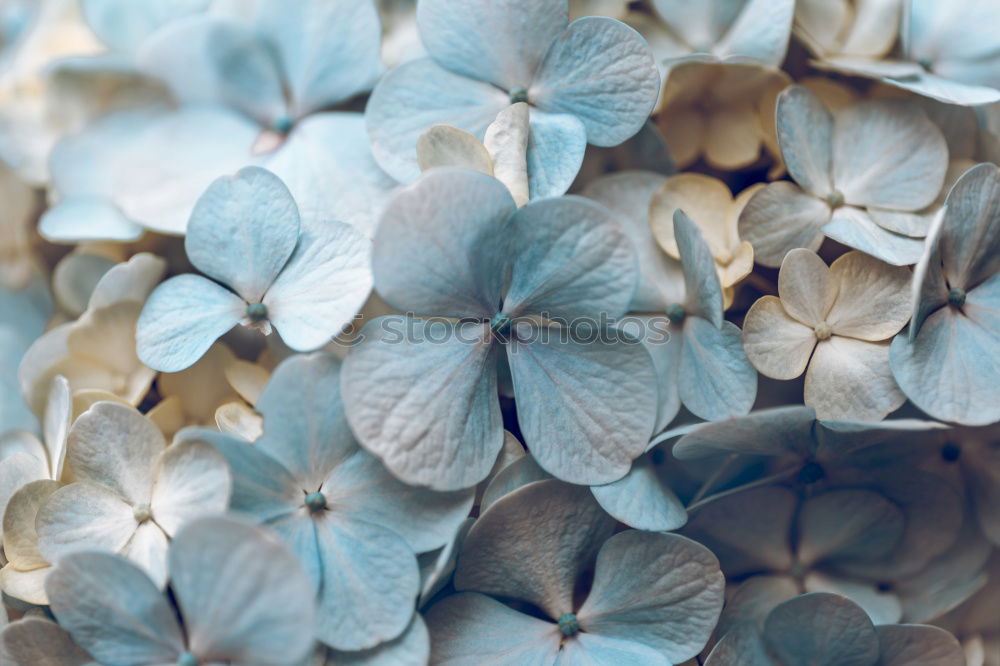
17 257
503 152
131 492
192 396
709 203
719 111
859 28
838 321
97 351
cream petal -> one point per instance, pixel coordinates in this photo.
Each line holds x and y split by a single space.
732 138
192 480
777 345
704 199
20 538
28 586
850 379
781 217
444 145
684 129
873 298
506 141
148 549
806 287
83 516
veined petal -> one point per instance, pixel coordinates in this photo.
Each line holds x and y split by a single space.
806 287
970 234
855 228
446 146
775 343
873 298
556 145
641 499
584 400
601 71
805 134
192 480
457 219
850 379
800 631
501 42
181 320
781 217
715 379
506 140
402 388
83 516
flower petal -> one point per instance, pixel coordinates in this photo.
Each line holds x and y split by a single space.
468 627
507 140
887 154
370 583
704 291
873 298
660 590
83 516
716 380
855 228
584 400
950 369
806 287
805 134
704 199
192 481
556 146
847 523
917 645
329 51
242 231
322 287
181 320
115 446
781 217
446 146
401 387
241 593
20 537
501 42
420 94
601 71
533 543
641 499
114 611
776 344
570 259
34 640
801 630
970 233
760 31
457 218
850 379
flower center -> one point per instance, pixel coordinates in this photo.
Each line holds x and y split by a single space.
835 199
823 331
257 312
500 324
283 124
568 624
315 502
676 313
518 94
956 297
811 472
142 513
187 659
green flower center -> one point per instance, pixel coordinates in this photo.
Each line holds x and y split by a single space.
500 324
187 659
315 502
676 313
518 94
956 297
142 513
257 312
283 124
835 199
823 331
568 624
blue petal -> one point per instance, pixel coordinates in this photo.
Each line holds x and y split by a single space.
585 405
498 41
716 380
570 259
242 231
329 49
641 499
704 292
440 248
80 219
800 631
413 97
556 144
182 318
123 24
601 71
401 388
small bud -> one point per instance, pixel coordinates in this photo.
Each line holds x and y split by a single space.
256 312
142 513
835 199
823 331
568 624
315 502
676 313
956 297
518 94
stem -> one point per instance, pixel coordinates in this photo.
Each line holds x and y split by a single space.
694 506
713 478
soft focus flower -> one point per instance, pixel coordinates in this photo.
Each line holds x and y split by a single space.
307 279
800 630
848 28
592 82
946 363
949 52
354 528
130 491
536 289
240 598
873 155
836 321
653 596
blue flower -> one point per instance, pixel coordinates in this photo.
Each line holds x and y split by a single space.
526 295
592 82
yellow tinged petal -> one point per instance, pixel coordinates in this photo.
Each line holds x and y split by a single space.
443 145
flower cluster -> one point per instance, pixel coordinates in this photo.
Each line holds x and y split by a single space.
545 332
